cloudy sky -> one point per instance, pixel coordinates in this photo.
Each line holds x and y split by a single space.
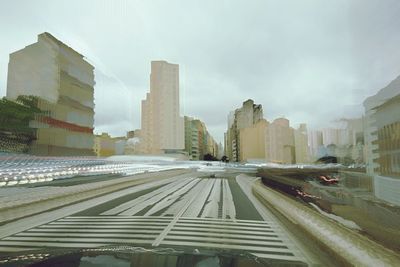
310 61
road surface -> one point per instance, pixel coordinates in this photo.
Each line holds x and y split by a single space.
192 210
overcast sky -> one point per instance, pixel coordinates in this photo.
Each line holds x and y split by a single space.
310 61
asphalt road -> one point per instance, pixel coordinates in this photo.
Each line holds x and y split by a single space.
192 210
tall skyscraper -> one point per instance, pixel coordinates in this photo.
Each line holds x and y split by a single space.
162 125
63 82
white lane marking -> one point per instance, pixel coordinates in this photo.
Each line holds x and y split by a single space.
225 230
77 240
154 199
107 223
195 207
228 206
245 182
224 220
211 208
102 219
166 202
217 225
259 225
98 230
133 202
118 217
45 217
62 227
178 205
231 234
164 233
84 235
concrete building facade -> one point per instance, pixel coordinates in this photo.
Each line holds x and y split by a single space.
63 81
252 142
382 141
315 145
162 126
301 144
245 117
280 146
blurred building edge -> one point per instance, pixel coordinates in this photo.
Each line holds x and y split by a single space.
198 141
64 83
345 143
105 145
132 145
382 140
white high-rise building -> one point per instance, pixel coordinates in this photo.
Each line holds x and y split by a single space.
162 125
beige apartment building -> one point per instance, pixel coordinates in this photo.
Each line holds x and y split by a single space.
252 142
280 145
162 126
63 82
245 117
315 144
301 144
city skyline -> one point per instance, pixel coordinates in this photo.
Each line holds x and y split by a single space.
281 64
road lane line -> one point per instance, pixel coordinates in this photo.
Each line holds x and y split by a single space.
133 202
196 207
168 201
164 233
154 199
228 206
212 205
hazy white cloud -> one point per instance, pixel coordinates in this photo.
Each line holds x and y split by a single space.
311 61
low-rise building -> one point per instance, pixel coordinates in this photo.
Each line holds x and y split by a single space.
104 145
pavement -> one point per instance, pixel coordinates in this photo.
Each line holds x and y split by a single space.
191 210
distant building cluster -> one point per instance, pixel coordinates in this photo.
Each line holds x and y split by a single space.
346 142
198 141
49 110
251 138
50 88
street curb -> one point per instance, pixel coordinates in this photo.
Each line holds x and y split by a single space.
353 248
